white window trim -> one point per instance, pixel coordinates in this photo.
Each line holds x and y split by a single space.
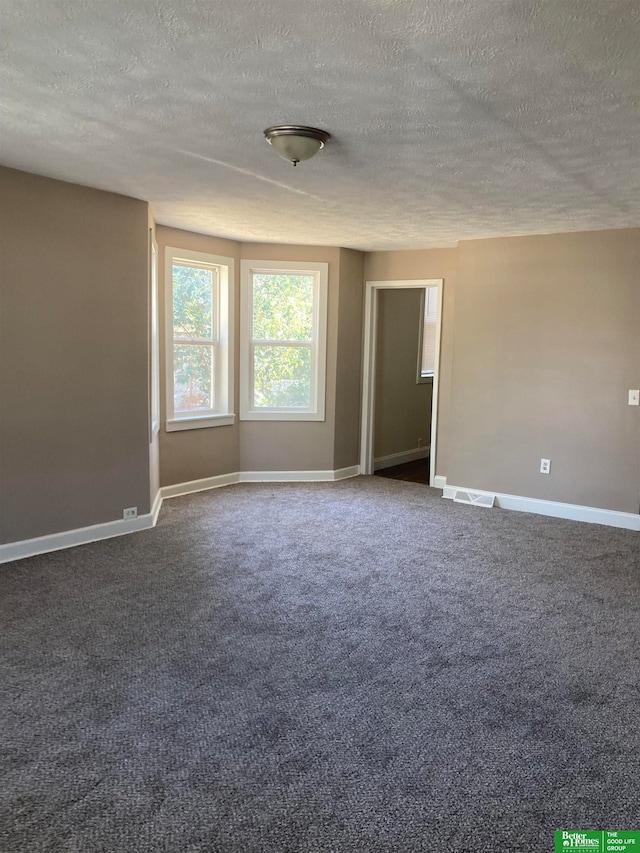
423 378
223 415
316 412
372 289
154 345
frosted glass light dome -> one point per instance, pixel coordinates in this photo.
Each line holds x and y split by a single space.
296 142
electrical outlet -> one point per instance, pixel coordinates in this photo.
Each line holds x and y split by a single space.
545 466
634 398
420 442
130 512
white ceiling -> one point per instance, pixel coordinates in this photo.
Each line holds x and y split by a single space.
451 119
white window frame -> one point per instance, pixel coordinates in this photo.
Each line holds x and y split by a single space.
316 411
424 378
154 344
222 414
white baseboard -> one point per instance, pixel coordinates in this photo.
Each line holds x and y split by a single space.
257 477
70 538
346 473
156 507
298 476
96 532
556 509
81 536
203 485
400 458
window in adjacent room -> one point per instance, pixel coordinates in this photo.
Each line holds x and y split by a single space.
283 341
427 332
199 302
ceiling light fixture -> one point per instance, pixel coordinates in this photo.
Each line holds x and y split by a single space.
295 142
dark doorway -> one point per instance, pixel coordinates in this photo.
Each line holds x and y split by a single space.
413 472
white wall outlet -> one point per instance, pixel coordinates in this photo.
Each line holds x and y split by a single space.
545 466
634 398
130 512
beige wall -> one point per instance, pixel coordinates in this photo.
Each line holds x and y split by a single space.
74 436
546 347
427 263
539 347
349 360
402 405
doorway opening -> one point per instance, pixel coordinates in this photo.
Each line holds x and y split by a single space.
401 370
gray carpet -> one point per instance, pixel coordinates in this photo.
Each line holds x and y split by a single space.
354 666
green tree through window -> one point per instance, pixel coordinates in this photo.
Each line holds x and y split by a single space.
194 339
282 332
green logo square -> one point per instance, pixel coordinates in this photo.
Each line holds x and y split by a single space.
620 841
579 839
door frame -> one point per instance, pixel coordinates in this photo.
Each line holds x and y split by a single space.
369 362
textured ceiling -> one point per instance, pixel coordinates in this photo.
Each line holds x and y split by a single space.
450 120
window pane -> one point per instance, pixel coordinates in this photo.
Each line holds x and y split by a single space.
282 307
429 331
282 377
192 302
192 378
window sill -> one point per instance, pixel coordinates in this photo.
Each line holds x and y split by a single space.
200 422
256 415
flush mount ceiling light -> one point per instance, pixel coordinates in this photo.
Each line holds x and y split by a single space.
295 142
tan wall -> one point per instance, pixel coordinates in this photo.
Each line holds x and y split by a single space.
402 406
349 360
74 439
546 348
194 454
301 445
427 263
539 348
251 445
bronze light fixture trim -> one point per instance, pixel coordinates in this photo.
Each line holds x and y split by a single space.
296 142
